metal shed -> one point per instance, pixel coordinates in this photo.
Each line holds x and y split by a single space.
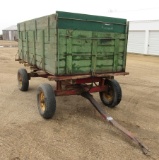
10 33
144 37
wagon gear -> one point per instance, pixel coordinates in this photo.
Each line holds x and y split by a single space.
81 53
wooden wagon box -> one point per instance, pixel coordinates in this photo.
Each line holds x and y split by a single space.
70 44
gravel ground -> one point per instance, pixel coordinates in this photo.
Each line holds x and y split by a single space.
77 131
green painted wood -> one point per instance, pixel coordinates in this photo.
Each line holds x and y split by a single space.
21 28
34 49
90 22
43 22
104 69
69 51
87 17
105 62
27 47
81 70
43 49
94 55
48 29
68 44
49 68
97 49
30 25
20 43
125 46
104 49
116 47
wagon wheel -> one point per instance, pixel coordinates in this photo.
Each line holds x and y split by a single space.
112 96
23 79
46 101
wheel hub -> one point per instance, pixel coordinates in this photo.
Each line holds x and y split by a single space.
109 94
20 80
42 101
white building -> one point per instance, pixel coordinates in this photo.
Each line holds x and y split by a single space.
144 37
10 33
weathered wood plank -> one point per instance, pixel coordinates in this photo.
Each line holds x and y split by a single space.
94 54
43 22
115 65
104 63
81 70
106 42
81 63
104 69
69 49
105 48
81 49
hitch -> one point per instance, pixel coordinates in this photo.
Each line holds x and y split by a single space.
114 123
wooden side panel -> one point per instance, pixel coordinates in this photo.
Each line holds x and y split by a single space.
88 52
38 43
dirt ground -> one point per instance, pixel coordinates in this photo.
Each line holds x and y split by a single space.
8 43
77 132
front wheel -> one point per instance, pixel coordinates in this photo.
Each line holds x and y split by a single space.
46 101
113 95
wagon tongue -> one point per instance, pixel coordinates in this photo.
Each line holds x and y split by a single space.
88 96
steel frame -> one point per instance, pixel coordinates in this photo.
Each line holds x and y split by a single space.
76 84
84 85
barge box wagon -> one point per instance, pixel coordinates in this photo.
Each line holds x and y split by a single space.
73 44
81 53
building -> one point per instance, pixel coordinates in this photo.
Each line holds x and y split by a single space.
10 33
144 37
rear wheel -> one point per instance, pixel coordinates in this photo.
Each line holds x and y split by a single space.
46 101
112 96
23 79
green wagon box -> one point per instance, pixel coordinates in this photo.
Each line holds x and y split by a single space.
79 52
68 44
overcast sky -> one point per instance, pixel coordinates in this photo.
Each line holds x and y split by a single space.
15 11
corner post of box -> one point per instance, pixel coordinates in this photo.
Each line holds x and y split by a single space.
18 26
126 42
19 42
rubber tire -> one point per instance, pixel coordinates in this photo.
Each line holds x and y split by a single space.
50 101
25 79
117 96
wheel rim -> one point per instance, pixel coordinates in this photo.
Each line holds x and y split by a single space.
20 80
109 94
42 101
